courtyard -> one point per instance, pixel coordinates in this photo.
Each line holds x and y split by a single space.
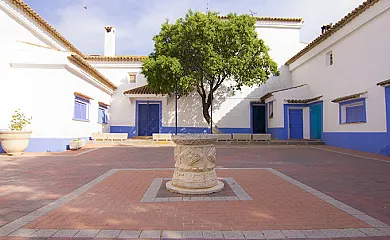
271 192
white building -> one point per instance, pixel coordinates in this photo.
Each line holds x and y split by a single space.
336 96
71 95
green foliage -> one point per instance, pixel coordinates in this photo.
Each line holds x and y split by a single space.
19 121
202 51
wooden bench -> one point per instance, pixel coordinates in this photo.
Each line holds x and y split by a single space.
117 136
242 136
261 137
162 136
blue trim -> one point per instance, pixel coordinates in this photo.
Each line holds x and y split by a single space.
269 106
49 144
276 133
235 130
104 110
130 130
322 117
387 97
363 100
284 132
136 113
386 149
296 126
82 101
185 130
362 141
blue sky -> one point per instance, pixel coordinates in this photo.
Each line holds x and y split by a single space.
137 21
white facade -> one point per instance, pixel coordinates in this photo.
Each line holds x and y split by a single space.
230 112
351 61
359 48
37 78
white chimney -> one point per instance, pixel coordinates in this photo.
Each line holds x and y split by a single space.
109 41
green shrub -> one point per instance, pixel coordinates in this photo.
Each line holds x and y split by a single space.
19 121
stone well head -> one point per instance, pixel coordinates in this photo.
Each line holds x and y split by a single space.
195 156
194 139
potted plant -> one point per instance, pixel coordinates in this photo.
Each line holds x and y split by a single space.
15 140
76 144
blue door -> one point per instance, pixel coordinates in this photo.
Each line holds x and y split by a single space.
316 121
296 123
148 119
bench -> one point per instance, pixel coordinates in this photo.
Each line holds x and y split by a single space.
261 137
223 136
162 136
117 136
99 136
242 136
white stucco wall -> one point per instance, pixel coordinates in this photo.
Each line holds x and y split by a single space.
37 81
361 50
282 38
229 111
279 98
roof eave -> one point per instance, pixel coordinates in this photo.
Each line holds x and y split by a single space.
340 24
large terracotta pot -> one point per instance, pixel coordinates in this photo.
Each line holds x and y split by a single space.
14 142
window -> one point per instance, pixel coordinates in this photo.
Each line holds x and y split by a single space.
271 109
132 77
102 114
81 108
329 58
353 111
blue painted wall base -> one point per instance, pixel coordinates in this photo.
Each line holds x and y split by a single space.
48 144
276 133
367 142
132 131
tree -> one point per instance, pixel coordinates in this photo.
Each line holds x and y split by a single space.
203 51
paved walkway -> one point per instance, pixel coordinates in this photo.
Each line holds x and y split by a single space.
359 180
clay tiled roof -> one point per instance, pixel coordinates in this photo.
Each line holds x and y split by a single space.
307 100
270 94
126 58
83 64
277 19
384 83
348 18
82 96
41 22
141 90
349 97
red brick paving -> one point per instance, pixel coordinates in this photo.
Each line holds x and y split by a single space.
277 204
28 183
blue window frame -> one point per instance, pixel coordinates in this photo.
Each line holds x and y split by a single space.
271 109
81 109
102 114
353 111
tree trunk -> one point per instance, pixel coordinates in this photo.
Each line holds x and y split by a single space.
206 115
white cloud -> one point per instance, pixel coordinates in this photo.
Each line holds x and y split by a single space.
137 21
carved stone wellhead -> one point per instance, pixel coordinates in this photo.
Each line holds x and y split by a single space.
195 157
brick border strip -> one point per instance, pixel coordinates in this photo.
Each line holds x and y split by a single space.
151 193
15 228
